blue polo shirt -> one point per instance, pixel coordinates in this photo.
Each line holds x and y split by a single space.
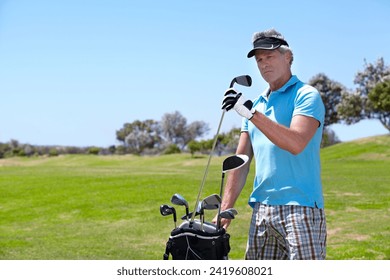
281 177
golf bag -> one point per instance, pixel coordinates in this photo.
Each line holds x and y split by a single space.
195 240
193 243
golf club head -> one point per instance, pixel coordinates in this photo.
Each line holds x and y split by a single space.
211 202
178 199
244 80
234 162
166 210
228 214
232 210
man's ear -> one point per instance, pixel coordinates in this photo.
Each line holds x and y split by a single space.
288 56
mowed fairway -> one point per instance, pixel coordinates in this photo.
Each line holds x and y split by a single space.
107 207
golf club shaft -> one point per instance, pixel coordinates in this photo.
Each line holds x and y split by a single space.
219 208
202 221
207 167
244 80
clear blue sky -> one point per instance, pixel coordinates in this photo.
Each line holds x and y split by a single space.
73 72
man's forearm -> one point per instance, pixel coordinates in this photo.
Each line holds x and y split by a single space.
234 185
294 138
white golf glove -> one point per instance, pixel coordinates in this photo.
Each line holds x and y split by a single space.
234 99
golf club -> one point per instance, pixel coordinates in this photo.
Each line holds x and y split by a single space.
229 214
230 163
197 213
166 210
211 202
244 80
177 199
200 210
186 217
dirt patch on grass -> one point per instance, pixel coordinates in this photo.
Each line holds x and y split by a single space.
333 231
374 156
9 162
357 237
20 161
350 194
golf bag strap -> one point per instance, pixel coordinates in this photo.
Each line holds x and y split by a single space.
166 254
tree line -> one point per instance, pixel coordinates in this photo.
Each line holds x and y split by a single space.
172 134
369 100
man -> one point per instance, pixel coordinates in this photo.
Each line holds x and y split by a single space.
282 131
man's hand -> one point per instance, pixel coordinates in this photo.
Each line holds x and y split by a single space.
224 222
236 100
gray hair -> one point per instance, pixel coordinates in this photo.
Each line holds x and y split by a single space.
273 33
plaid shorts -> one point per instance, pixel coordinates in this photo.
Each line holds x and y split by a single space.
286 232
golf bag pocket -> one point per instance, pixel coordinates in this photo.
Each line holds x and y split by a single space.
193 243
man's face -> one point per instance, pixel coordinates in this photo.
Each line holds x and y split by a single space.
273 65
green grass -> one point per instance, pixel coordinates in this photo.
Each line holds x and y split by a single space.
107 207
356 179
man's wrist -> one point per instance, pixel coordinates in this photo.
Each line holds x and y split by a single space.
253 111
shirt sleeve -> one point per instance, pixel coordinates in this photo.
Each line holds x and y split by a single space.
244 125
309 103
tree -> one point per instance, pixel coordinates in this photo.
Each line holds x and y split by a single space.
359 105
123 132
194 146
173 128
228 142
380 99
331 92
329 138
176 131
5 150
194 130
350 108
151 136
140 135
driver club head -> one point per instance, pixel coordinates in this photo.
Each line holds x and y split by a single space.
234 162
244 80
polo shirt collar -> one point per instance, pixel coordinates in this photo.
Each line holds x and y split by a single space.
293 80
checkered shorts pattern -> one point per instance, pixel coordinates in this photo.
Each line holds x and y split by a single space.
286 232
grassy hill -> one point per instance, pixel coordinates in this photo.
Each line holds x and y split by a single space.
356 178
107 207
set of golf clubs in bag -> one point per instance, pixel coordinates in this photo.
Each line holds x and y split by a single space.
197 239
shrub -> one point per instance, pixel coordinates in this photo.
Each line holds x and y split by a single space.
172 149
93 150
53 152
